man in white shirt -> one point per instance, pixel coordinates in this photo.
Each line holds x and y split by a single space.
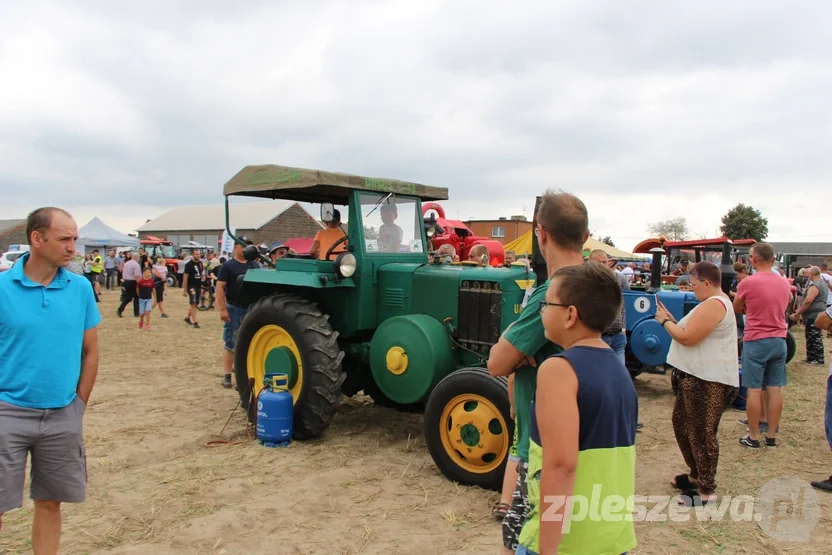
628 272
824 274
131 275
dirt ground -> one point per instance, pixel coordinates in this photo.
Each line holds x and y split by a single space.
368 485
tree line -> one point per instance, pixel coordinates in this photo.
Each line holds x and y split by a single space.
741 222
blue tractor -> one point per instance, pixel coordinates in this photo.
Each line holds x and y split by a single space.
647 341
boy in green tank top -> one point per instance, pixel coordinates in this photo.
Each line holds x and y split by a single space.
562 228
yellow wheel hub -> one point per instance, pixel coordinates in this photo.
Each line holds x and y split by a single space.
474 433
396 360
274 340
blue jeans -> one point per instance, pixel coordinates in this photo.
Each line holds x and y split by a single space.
229 330
827 420
617 343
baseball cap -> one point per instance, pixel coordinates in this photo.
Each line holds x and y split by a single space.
245 240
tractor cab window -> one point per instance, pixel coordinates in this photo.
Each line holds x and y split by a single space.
391 224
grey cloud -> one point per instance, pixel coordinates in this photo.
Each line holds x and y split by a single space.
495 102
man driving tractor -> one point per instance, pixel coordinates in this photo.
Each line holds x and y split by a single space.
326 237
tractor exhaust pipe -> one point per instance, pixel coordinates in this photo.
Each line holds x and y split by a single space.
538 263
656 270
727 267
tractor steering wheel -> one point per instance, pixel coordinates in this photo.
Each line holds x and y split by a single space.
329 252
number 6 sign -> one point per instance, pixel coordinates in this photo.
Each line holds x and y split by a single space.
642 304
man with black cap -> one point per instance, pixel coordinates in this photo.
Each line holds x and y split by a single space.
228 287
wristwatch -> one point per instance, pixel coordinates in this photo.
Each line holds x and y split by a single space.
663 322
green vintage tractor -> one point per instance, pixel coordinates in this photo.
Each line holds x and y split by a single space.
384 317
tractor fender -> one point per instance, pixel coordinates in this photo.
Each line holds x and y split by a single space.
426 207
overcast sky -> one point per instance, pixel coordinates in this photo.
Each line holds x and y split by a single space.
646 110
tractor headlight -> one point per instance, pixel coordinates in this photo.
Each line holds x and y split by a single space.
430 231
345 264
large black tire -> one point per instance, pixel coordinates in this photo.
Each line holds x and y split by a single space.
475 381
791 347
321 357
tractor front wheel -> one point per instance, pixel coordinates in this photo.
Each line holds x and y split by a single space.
288 334
468 427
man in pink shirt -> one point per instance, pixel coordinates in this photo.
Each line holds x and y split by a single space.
763 298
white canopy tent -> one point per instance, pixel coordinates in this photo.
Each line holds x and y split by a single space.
98 235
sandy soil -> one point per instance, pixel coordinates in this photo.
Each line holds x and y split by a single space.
368 486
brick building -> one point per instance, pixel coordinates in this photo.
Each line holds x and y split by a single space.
503 229
12 232
262 222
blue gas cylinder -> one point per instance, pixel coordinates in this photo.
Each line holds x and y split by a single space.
275 412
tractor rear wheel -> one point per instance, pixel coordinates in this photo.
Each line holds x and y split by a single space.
468 427
791 346
288 334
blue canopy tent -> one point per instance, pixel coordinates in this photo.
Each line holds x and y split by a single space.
98 235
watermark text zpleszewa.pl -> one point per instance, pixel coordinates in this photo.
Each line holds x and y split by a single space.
786 508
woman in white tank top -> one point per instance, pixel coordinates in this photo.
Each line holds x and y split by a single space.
704 351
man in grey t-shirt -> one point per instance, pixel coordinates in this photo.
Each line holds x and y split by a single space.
616 334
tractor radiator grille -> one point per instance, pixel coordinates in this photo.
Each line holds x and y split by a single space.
480 312
394 297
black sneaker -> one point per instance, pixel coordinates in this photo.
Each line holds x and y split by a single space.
750 443
771 443
226 381
188 321
196 324
825 485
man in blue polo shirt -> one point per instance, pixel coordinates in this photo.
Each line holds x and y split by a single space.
48 365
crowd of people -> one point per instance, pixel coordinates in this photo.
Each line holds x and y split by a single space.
572 398
574 405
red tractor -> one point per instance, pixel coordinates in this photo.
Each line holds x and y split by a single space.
459 236
155 247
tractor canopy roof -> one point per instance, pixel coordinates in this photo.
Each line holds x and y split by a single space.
705 244
316 186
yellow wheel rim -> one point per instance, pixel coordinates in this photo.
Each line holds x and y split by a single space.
474 433
267 339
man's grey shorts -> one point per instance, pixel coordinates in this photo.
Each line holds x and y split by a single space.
54 438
